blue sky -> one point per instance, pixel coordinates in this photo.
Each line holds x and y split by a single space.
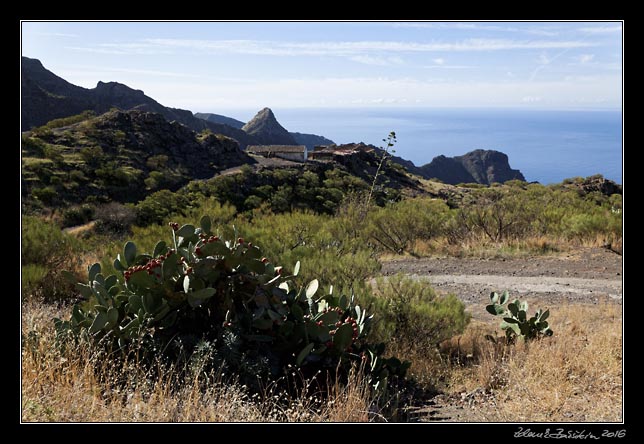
226 66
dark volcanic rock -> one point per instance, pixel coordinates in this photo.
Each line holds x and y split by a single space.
600 185
447 169
266 129
480 166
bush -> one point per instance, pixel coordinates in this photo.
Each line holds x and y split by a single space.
115 219
398 225
411 309
32 277
158 162
45 251
93 156
66 121
158 206
46 195
44 243
52 153
77 215
220 304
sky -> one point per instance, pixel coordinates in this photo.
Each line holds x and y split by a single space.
226 66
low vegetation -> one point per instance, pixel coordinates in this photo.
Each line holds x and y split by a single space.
199 323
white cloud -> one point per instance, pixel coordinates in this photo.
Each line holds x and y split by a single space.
448 67
376 61
58 34
543 59
329 48
585 58
475 27
362 91
604 29
439 61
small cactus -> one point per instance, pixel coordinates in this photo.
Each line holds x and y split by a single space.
516 323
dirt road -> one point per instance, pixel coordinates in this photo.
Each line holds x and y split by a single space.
585 276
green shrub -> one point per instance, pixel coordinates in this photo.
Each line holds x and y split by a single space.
66 121
33 145
46 195
93 155
43 243
52 153
221 302
158 162
411 309
77 176
32 277
45 251
77 215
158 206
114 219
396 226
154 180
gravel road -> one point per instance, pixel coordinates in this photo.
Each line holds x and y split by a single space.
586 276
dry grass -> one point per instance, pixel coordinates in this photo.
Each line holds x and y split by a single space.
576 375
481 246
71 387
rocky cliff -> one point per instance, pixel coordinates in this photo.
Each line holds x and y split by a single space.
479 166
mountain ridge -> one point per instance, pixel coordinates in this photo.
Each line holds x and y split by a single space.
46 96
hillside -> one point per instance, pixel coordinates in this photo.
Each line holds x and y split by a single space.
45 97
218 118
311 140
120 155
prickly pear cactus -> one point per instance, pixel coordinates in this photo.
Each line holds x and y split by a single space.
516 323
202 289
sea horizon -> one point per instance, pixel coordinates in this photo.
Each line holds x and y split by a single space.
546 146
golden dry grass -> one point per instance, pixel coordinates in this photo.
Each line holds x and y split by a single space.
481 246
576 375
67 387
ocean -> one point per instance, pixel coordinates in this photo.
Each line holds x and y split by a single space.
547 146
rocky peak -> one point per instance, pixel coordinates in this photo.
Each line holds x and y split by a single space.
265 127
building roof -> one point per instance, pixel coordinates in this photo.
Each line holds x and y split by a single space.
276 148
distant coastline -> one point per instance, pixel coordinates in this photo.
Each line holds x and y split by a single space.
547 146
